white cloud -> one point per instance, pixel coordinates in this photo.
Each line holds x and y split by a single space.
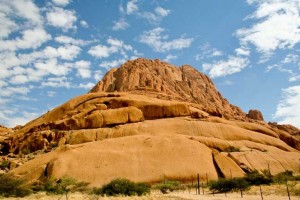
289 107
121 24
22 8
61 18
162 12
61 2
110 64
131 7
98 74
100 51
51 66
56 82
31 39
51 93
69 40
156 16
7 26
84 24
159 43
86 86
68 52
9 91
83 68
225 67
242 51
290 58
114 46
277 26
208 52
19 79
170 57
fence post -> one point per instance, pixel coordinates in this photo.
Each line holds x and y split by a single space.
198 185
206 179
261 194
287 189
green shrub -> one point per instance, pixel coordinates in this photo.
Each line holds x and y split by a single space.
10 186
255 178
284 176
232 149
62 186
4 164
228 185
167 186
122 187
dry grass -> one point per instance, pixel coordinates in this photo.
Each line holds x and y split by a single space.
272 192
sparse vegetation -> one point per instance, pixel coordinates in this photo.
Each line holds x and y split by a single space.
4 164
232 149
122 187
167 186
228 185
13 187
255 178
62 186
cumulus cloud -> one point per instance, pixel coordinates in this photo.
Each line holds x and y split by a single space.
56 82
110 64
52 67
68 52
61 2
31 39
162 11
84 24
159 43
20 118
242 51
61 18
131 7
86 86
113 46
69 40
83 68
289 107
225 67
170 57
290 58
208 52
277 26
121 24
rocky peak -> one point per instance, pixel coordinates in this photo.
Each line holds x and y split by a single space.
255 114
162 80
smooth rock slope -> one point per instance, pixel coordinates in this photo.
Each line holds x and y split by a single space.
149 121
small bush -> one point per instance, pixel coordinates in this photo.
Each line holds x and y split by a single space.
228 185
10 186
284 176
62 186
4 164
167 186
232 149
255 178
122 187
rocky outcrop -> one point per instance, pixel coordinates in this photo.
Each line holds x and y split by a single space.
256 115
158 122
159 79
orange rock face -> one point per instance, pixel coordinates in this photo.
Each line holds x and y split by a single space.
164 81
148 121
256 115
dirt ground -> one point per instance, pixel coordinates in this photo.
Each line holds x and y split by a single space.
272 192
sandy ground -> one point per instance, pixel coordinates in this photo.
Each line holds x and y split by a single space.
273 192
176 196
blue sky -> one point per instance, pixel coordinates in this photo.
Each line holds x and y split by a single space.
51 51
